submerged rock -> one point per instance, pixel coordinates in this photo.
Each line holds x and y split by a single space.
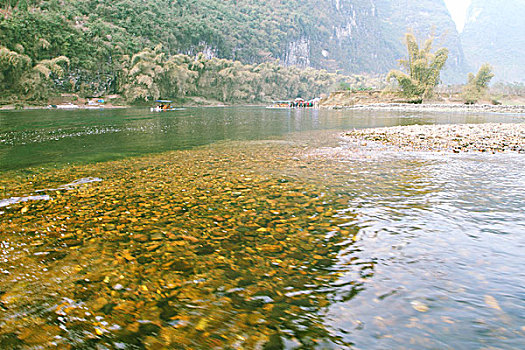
205 268
10 341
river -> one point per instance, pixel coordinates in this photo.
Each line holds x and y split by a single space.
252 228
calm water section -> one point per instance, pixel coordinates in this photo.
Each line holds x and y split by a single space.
437 260
53 138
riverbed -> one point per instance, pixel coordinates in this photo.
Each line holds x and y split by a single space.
246 227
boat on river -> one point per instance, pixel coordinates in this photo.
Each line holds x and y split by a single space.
297 103
280 105
165 106
160 109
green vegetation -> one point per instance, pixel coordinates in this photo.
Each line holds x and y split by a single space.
477 85
360 85
423 69
134 48
18 75
149 75
94 32
148 49
515 88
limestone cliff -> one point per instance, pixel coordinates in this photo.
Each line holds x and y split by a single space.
494 33
348 36
424 18
365 36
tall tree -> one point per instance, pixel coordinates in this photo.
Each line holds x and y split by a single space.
179 78
143 75
423 68
36 83
12 67
478 84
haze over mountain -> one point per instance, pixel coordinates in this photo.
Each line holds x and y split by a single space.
367 36
347 36
495 33
424 18
458 11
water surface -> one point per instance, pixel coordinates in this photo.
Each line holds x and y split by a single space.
53 138
246 227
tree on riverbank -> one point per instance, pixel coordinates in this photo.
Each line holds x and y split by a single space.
423 68
477 85
142 76
12 66
150 75
19 76
36 84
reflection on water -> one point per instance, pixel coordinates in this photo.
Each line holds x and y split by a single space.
300 242
56 138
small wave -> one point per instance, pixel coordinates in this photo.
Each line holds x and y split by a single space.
85 180
14 138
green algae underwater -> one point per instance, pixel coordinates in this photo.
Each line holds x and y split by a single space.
226 247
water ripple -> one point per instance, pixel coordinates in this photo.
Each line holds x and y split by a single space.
445 235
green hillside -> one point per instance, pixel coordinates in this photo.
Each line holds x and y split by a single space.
346 36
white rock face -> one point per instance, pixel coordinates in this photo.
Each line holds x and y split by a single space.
208 51
298 53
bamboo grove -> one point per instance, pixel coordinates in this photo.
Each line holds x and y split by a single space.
423 68
150 74
95 48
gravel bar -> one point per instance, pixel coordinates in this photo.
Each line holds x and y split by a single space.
457 108
489 137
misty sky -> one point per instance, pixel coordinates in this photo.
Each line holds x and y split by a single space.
458 9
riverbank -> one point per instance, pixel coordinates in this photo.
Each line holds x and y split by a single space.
15 107
489 137
444 107
11 107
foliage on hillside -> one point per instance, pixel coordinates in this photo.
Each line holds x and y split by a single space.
19 75
109 45
150 74
101 37
92 31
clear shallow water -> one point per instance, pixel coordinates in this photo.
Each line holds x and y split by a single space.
303 241
447 239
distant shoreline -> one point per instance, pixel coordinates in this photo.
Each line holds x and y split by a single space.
80 107
455 108
401 107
